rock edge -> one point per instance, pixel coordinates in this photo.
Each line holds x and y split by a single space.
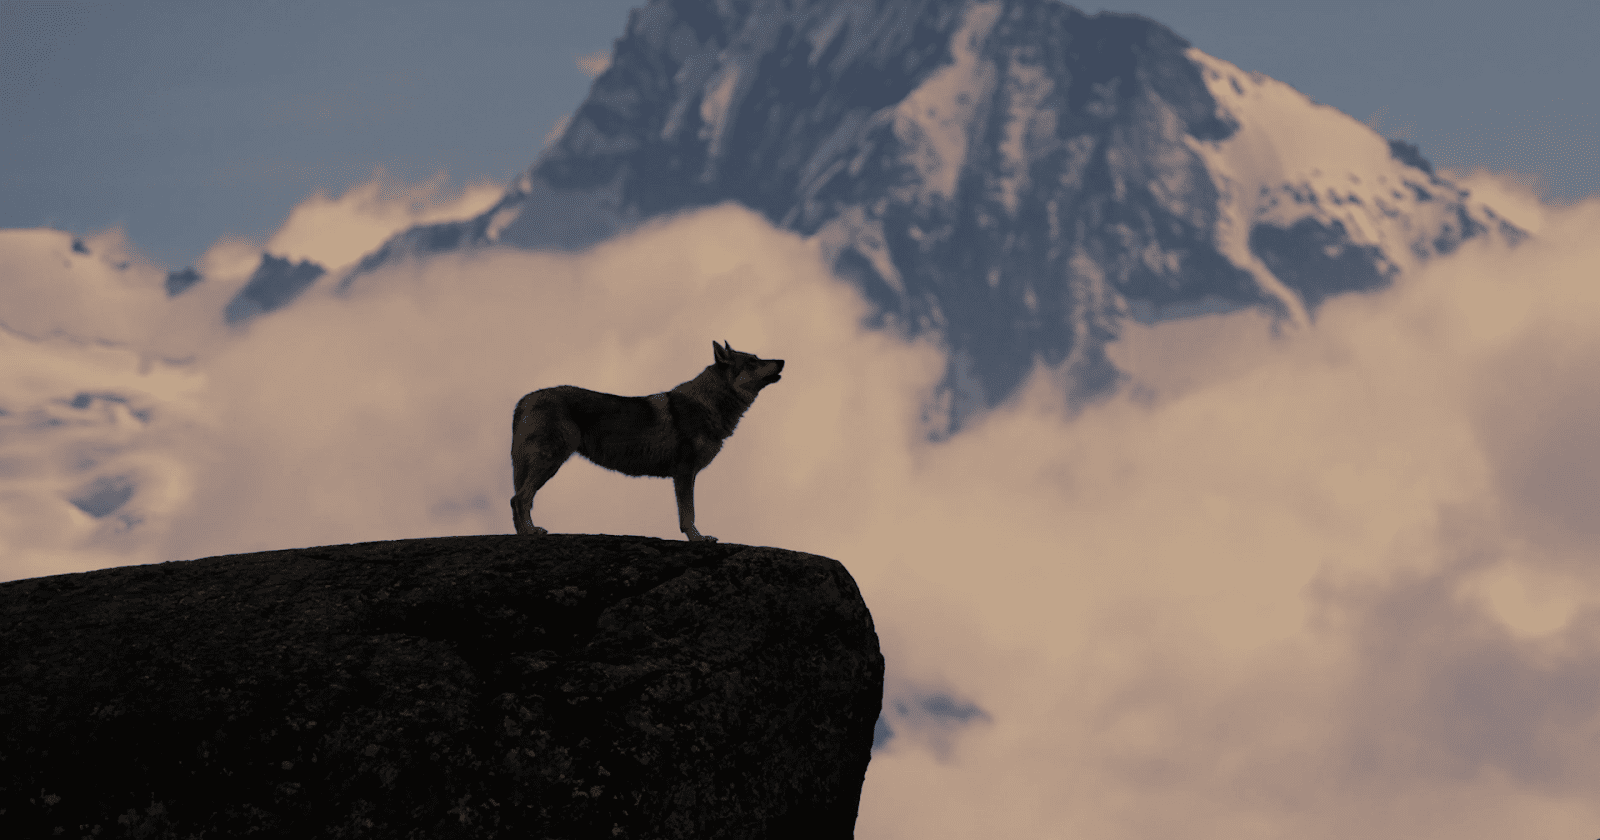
568 686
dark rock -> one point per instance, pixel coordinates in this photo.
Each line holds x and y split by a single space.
274 284
179 282
1319 260
1410 155
496 686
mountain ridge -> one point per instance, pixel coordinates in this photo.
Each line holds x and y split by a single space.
1015 176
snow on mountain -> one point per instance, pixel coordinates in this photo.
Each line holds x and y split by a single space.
1299 178
336 231
92 417
106 417
93 288
1014 175
108 393
100 428
322 233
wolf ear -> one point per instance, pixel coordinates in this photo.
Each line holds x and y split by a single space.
722 354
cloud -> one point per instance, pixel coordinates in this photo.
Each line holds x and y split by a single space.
401 427
594 63
1321 583
90 288
336 232
1332 583
97 446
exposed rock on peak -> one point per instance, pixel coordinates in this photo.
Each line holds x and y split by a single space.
570 686
275 282
1014 175
181 281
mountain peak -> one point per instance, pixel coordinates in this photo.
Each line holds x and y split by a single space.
1016 175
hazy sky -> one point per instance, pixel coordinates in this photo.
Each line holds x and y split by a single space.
183 122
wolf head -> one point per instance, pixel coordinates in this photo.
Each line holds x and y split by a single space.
747 372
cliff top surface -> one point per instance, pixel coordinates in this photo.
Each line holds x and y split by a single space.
464 685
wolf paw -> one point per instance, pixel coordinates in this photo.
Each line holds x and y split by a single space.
535 531
700 538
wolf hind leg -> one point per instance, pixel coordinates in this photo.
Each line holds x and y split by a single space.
533 462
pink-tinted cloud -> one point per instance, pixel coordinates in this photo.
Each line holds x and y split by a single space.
1322 582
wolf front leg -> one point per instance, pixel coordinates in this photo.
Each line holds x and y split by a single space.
522 518
683 488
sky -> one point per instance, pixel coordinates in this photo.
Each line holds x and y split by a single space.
185 122
1326 582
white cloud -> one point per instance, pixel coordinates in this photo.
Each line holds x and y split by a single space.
1333 583
90 288
74 413
1338 583
338 231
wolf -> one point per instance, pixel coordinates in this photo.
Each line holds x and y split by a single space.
674 434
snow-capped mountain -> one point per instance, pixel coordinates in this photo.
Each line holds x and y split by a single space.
1014 174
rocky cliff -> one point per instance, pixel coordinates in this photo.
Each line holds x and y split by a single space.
495 686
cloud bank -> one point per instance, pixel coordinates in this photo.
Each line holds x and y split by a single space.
1320 583
337 231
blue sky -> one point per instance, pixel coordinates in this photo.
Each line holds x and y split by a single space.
184 122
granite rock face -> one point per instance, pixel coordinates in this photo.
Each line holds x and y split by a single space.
495 686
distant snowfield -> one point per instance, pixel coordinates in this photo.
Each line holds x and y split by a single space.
1290 155
1326 581
97 451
